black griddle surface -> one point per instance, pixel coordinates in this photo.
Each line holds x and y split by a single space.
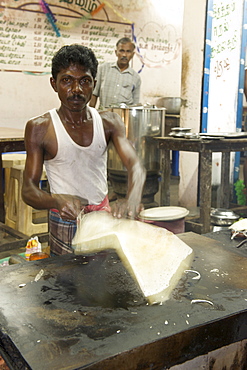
84 310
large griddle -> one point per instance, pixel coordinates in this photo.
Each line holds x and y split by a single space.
86 312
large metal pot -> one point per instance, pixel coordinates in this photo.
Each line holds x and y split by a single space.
223 217
142 124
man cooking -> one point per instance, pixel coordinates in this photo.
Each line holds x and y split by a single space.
117 82
72 144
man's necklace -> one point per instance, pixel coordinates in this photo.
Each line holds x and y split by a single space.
75 126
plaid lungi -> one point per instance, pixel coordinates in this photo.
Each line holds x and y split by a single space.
61 232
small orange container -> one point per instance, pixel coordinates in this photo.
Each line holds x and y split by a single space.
38 256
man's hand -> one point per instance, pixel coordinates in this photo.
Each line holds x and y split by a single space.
122 208
69 206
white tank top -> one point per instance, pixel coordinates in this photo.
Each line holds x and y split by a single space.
78 170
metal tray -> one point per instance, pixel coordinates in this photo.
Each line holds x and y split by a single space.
223 135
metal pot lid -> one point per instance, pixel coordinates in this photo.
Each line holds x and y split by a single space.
164 213
223 213
150 107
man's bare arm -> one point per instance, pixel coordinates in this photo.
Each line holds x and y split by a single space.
68 206
31 192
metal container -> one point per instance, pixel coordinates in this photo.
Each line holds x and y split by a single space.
223 217
172 105
38 256
142 124
179 131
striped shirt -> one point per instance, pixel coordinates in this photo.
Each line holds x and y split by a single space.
114 87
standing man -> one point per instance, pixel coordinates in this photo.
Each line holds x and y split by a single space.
117 82
72 144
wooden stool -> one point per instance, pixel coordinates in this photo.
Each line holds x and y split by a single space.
19 215
9 160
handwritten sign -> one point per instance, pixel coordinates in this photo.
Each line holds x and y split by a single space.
158 44
222 67
28 41
225 41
